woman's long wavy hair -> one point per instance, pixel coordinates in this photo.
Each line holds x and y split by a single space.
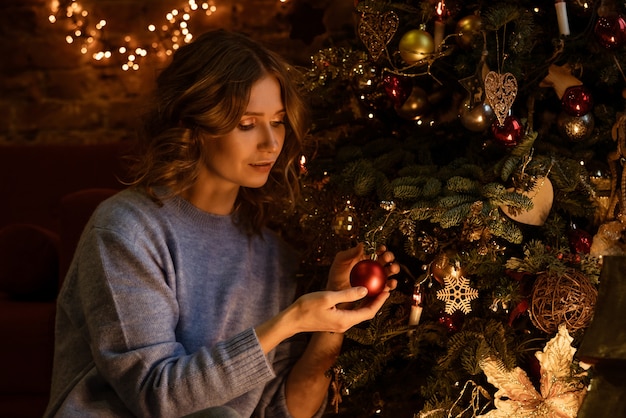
205 91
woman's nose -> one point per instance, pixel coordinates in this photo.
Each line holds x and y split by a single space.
272 140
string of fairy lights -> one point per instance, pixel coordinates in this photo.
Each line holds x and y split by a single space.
89 32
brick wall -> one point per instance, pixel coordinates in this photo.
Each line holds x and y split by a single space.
50 92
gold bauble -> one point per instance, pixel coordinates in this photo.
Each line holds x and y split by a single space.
344 222
415 45
443 265
415 106
477 117
575 128
467 28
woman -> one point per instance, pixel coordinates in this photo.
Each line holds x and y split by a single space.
179 298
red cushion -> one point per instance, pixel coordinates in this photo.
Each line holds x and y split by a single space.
41 174
30 261
27 348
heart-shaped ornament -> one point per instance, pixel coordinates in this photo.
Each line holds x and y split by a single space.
501 90
376 31
542 196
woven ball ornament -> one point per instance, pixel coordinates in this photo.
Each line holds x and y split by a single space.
566 298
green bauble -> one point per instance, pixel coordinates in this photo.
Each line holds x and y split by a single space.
415 45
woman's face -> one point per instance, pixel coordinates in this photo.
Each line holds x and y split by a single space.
245 156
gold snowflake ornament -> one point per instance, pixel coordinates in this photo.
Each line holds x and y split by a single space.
457 293
560 395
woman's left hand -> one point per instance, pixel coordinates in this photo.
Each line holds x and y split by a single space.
339 275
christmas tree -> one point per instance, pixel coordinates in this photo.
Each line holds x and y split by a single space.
482 142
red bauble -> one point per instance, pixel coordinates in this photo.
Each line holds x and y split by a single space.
369 273
580 241
577 100
534 369
519 309
610 31
509 133
398 88
452 322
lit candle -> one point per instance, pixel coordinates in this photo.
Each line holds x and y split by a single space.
303 162
561 16
439 27
416 307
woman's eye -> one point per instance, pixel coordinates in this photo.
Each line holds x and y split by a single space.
276 123
249 124
246 125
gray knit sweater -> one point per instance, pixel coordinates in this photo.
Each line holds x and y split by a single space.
156 315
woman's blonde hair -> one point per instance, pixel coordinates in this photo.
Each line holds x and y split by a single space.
205 90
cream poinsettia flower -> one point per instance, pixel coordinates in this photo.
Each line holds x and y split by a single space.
560 394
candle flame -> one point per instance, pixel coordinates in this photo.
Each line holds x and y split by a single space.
440 8
417 297
303 161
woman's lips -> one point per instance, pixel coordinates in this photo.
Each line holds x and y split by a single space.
264 166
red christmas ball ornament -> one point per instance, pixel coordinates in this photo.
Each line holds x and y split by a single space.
370 274
398 88
580 241
610 31
509 133
452 322
577 100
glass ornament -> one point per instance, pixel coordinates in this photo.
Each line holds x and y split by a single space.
397 87
575 128
415 45
577 100
509 133
610 31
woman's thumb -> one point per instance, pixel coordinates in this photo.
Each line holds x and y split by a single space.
353 294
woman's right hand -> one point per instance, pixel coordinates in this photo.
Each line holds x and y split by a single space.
318 311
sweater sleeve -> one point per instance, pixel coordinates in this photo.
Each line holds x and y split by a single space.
273 404
131 325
